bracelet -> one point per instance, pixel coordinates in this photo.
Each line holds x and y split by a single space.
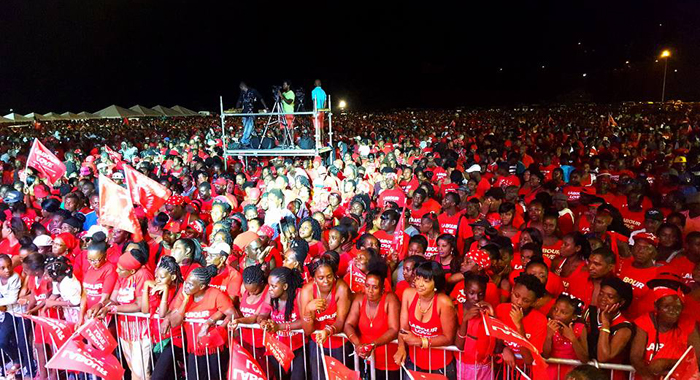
351 335
424 342
462 337
605 330
113 309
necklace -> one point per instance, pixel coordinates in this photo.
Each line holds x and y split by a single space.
371 319
422 312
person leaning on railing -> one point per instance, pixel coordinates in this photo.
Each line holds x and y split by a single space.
207 354
373 322
157 296
427 321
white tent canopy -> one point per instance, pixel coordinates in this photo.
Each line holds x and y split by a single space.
53 116
35 116
70 115
114 111
17 117
167 111
5 120
145 111
87 115
184 111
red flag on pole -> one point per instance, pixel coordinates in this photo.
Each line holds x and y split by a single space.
500 330
280 351
78 356
335 370
415 375
145 191
58 329
117 208
242 366
96 333
41 159
611 121
397 244
686 368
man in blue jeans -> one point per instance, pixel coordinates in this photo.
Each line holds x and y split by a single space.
247 100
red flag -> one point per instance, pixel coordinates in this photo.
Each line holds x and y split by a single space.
415 375
98 336
500 330
611 121
242 366
335 370
77 356
116 207
41 159
282 353
686 368
145 191
114 156
59 330
397 243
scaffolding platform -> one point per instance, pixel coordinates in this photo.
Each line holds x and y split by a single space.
323 141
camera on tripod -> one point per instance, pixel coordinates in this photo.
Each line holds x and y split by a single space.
276 92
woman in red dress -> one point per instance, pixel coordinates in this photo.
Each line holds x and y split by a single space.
571 263
99 278
427 320
326 301
663 335
373 322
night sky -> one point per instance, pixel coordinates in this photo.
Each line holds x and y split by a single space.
84 55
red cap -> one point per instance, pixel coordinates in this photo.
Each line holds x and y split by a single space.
651 238
173 227
41 191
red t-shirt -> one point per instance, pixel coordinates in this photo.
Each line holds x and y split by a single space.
643 300
228 281
97 282
634 220
552 251
128 290
534 324
386 242
212 301
392 195
672 343
416 215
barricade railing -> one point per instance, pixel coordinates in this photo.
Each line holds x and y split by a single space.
149 354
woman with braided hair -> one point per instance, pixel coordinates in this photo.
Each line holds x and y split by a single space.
159 293
310 230
67 290
254 297
188 254
282 315
207 354
326 301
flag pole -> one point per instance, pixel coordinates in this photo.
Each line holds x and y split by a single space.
678 363
410 377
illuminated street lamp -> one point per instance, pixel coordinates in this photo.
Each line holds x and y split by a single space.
342 104
665 55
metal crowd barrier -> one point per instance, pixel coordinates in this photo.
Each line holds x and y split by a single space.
214 366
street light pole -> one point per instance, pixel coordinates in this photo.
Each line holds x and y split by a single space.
664 54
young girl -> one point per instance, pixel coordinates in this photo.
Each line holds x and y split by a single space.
566 336
476 346
254 297
67 290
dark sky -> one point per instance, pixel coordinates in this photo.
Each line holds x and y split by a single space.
84 55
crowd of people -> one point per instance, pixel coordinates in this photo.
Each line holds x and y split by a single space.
577 226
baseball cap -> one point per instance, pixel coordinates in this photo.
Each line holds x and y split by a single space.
12 196
218 248
95 229
654 214
481 223
41 191
651 238
43 241
266 230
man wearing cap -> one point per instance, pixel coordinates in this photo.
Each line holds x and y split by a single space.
15 201
653 218
639 269
228 280
118 178
391 193
566 220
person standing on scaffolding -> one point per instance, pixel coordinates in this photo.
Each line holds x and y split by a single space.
247 100
319 98
286 95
